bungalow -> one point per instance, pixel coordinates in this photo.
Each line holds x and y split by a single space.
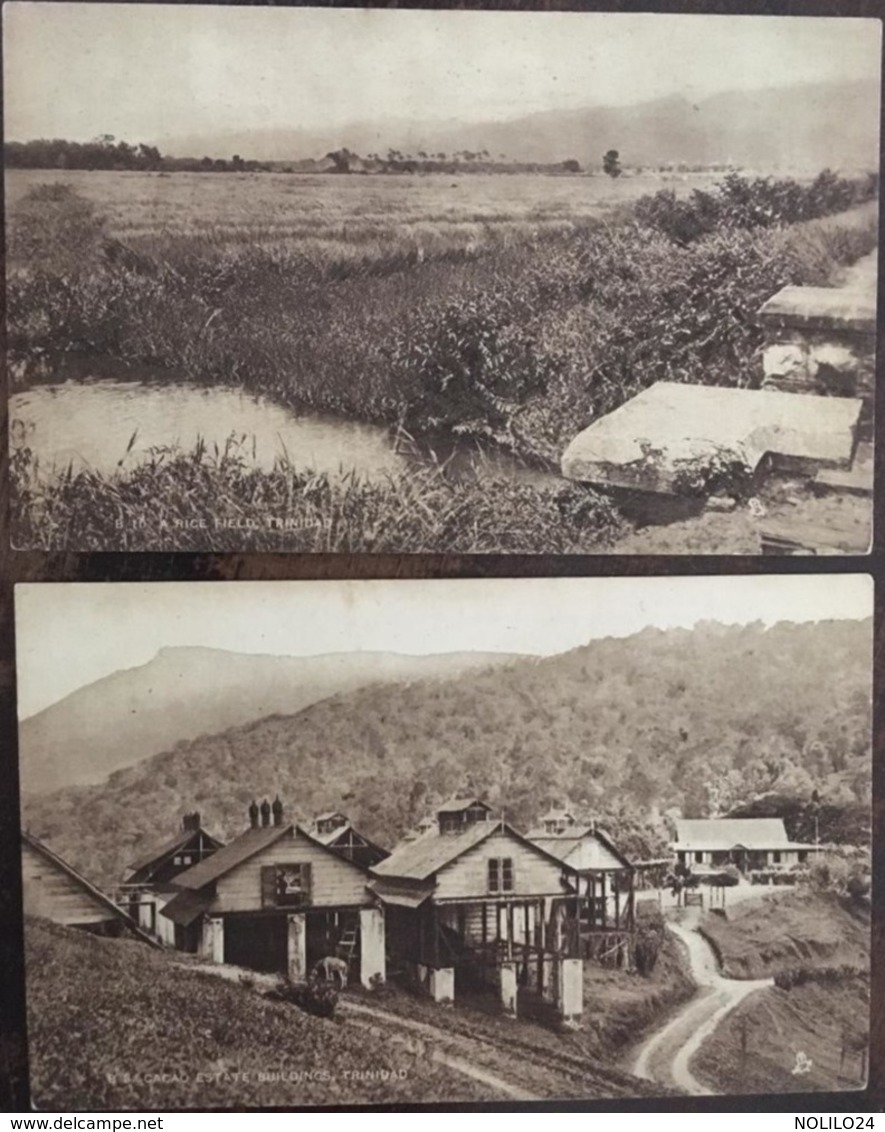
471 902
335 831
147 888
605 896
747 843
55 890
278 899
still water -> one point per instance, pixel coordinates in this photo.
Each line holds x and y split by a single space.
91 424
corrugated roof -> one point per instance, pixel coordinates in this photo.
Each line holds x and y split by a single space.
185 907
727 833
94 892
421 858
231 855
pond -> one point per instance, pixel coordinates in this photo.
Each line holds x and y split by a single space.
108 423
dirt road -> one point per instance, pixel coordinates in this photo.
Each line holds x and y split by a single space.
665 1056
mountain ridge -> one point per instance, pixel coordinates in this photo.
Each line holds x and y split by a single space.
775 126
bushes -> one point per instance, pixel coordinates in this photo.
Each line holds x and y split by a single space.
649 941
843 870
520 346
761 202
829 976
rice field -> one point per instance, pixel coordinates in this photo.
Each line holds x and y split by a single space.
336 214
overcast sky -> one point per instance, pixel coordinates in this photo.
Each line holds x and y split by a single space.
71 634
147 72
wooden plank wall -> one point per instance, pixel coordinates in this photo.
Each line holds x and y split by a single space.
335 881
533 873
49 891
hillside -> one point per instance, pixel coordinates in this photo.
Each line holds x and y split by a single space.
698 721
788 128
114 1025
183 693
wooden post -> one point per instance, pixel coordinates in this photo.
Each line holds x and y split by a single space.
509 931
485 925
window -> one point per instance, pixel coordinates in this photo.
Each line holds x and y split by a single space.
699 858
185 860
500 874
176 860
285 886
776 857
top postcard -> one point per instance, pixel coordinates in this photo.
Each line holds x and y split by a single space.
299 279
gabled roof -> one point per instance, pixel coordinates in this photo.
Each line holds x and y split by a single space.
421 858
253 841
562 845
456 805
329 814
231 855
96 893
170 848
334 835
730 833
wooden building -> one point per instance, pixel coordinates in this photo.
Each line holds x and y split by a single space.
605 915
471 903
148 888
55 890
335 831
277 899
747 843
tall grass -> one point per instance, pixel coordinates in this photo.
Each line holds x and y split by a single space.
200 500
518 343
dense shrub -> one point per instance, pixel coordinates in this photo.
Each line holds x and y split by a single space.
829 976
844 870
760 202
649 940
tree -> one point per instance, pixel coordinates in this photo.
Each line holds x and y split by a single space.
611 163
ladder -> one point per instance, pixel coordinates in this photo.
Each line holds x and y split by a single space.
347 945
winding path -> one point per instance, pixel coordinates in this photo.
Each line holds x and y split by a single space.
665 1057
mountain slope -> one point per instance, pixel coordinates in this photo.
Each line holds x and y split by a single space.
698 720
185 692
805 127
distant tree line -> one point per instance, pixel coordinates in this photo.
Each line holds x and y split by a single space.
106 152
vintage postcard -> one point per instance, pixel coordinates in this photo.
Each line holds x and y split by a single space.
313 843
378 280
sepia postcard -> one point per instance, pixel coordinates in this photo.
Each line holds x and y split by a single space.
307 279
315 843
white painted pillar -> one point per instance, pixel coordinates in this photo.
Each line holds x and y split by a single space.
548 978
212 939
507 984
372 961
296 948
571 991
442 984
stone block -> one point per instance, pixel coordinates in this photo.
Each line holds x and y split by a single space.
822 308
571 991
659 439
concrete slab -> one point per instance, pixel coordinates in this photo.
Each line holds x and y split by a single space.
670 430
830 308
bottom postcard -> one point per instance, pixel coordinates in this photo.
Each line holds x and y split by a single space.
499 840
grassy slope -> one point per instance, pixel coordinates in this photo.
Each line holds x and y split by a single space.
795 929
812 1019
106 1015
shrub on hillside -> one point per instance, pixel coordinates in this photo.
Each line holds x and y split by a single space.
829 976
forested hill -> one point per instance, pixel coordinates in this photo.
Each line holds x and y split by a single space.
695 720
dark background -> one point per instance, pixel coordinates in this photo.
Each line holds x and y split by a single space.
33 566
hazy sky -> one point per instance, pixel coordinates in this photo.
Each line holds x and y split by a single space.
70 634
147 72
